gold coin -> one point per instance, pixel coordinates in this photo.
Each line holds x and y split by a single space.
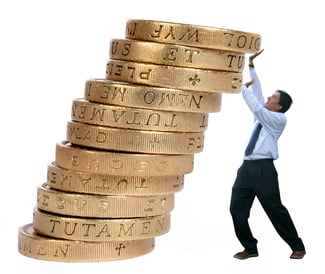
33 245
137 118
98 230
174 77
176 55
85 182
131 140
121 163
193 35
160 98
102 206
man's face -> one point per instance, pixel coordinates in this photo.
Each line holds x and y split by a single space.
272 102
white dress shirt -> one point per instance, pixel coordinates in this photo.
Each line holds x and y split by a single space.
273 122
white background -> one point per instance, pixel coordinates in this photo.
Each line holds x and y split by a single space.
48 49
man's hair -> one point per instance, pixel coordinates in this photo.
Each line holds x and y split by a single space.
285 101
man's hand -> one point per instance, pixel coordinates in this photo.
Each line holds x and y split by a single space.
252 57
250 83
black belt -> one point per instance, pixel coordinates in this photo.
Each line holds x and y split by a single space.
257 160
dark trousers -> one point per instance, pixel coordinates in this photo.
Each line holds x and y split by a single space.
259 178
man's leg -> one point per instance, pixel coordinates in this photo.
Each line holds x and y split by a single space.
268 193
241 202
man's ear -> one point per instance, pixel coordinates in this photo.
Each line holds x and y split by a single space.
279 107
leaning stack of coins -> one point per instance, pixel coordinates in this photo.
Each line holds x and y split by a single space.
132 139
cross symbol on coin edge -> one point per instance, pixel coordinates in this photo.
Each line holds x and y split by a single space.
194 80
119 247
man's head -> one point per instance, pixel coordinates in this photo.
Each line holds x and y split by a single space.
280 101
